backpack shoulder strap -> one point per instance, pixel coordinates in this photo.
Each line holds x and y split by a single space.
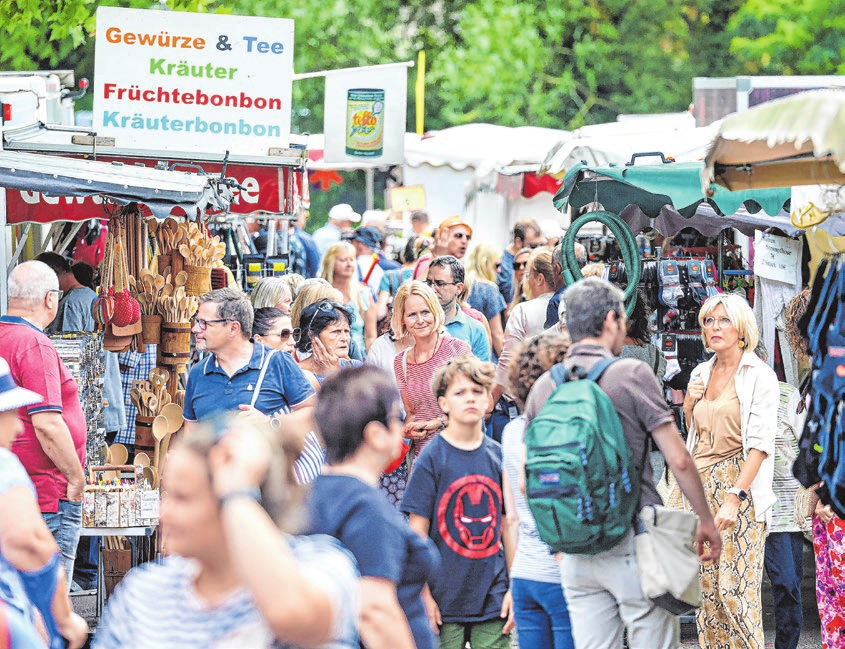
560 374
599 368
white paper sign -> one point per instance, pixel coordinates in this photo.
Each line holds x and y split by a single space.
180 81
364 117
777 258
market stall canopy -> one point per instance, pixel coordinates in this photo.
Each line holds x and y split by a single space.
616 142
795 140
485 147
668 198
158 189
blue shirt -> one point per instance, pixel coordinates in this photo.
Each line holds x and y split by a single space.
472 333
505 277
553 307
381 540
211 391
326 236
485 297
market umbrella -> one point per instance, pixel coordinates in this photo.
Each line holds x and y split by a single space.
795 140
668 198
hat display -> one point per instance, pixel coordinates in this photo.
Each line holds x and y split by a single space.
370 237
12 396
344 212
454 221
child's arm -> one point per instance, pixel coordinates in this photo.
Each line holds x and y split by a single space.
421 525
509 544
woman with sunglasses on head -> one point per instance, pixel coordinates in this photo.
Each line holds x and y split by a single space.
340 268
271 327
417 312
324 333
235 577
731 410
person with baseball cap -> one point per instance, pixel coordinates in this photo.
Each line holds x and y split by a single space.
367 242
31 574
341 217
452 238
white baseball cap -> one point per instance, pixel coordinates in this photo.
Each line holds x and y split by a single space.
344 212
13 396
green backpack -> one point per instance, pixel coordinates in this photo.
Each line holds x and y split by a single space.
580 480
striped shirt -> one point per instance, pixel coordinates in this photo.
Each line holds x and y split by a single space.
310 464
156 605
533 560
414 380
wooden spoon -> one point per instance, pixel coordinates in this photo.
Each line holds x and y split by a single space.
181 278
142 459
185 251
159 432
173 414
119 454
151 476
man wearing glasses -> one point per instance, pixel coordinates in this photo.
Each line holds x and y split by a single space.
52 446
451 238
526 234
446 277
238 373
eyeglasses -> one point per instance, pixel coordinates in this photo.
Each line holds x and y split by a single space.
438 283
59 293
519 265
723 322
534 246
461 235
203 324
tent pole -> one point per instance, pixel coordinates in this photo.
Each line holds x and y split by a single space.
4 252
370 176
720 258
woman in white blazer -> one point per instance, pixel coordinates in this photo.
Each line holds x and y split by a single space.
731 411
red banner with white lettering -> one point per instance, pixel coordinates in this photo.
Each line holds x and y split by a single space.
264 189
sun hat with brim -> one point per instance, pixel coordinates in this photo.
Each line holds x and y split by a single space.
13 396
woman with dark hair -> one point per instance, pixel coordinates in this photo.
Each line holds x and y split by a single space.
272 327
85 274
345 503
324 333
638 340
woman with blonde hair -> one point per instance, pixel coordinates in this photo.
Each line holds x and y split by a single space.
340 269
312 291
526 320
234 579
483 292
731 409
272 292
417 312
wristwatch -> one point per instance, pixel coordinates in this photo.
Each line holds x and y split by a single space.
742 494
275 423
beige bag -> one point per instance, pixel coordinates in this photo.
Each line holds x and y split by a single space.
667 558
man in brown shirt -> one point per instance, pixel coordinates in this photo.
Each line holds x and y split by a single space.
602 591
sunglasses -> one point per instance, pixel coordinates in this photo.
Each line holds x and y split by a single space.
284 334
519 265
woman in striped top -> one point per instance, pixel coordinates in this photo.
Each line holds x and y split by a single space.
542 617
416 311
234 580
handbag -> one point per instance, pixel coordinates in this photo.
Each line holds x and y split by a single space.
667 558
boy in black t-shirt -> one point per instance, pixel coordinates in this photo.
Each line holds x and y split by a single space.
455 496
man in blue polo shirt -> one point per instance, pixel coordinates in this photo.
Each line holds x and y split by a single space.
446 277
239 374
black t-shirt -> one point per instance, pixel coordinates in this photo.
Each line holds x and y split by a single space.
383 544
460 493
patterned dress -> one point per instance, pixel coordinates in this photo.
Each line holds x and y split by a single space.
829 545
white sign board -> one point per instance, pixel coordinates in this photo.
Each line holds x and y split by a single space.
191 82
777 258
364 116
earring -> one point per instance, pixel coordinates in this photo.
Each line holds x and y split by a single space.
742 344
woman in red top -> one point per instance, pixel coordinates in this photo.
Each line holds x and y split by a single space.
417 312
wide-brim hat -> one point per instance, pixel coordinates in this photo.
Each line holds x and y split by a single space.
344 212
13 396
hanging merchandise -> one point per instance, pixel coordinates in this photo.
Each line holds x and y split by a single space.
627 243
821 456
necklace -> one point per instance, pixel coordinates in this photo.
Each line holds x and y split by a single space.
433 351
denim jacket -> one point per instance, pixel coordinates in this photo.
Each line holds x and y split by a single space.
759 396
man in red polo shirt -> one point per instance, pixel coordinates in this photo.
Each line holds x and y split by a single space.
52 446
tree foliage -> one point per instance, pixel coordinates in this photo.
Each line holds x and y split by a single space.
510 62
